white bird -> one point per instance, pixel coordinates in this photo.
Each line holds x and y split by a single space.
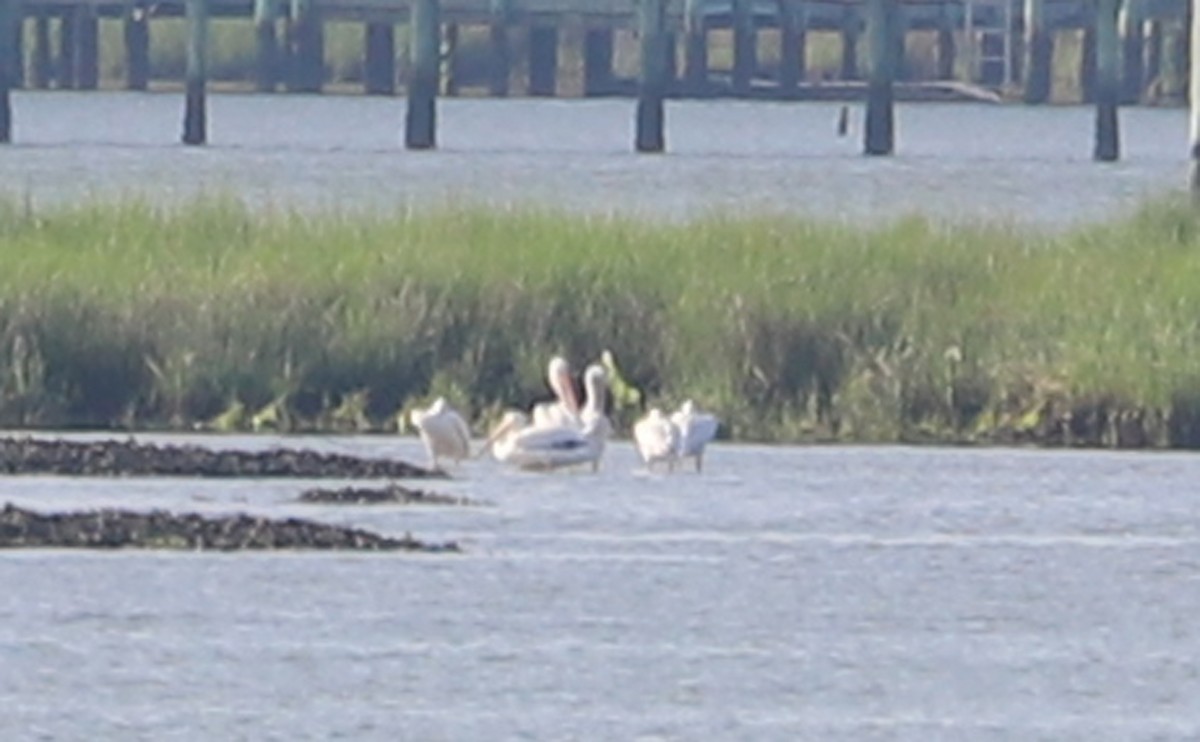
564 410
519 444
657 439
696 429
443 431
576 437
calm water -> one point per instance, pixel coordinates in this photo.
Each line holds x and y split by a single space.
956 161
787 593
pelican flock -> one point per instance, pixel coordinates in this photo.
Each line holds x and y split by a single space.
563 432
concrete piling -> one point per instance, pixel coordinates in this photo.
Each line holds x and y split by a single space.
652 85
195 124
880 119
420 125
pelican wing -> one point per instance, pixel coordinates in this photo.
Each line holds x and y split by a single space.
444 432
549 448
696 430
656 437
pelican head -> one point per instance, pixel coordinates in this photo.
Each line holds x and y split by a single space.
558 374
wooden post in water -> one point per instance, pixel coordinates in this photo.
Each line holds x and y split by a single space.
9 14
420 123
695 48
195 122
597 61
43 66
137 47
793 21
745 53
543 60
501 66
1194 101
266 46
1039 53
88 30
851 26
880 124
1133 64
1108 81
652 85
379 64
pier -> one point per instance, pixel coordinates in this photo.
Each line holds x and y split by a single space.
1127 51
994 44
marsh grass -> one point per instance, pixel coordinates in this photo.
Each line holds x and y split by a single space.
127 313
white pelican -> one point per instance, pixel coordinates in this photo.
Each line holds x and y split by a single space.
696 429
443 431
542 448
657 439
564 410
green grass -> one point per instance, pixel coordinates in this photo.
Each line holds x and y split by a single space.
123 313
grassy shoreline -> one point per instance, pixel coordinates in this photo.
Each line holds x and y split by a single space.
127 314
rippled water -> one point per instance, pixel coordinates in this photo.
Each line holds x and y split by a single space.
824 593
954 161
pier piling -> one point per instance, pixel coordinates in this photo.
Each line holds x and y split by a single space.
8 21
266 45
543 60
597 61
851 28
379 63
137 47
880 123
42 64
792 53
451 76
195 124
695 48
88 30
652 85
1108 81
307 56
1194 102
745 43
67 40
1039 53
500 70
420 124
1133 61
946 48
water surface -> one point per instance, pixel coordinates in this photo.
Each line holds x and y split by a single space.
824 593
958 161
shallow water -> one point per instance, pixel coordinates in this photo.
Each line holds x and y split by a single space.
786 593
956 161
